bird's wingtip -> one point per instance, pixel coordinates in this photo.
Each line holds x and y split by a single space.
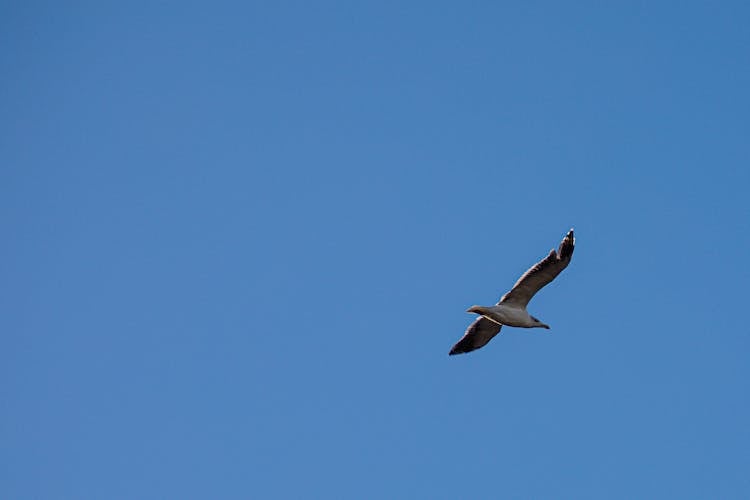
456 350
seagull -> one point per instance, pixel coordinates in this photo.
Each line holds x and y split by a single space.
511 310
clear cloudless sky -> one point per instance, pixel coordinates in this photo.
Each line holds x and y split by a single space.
239 239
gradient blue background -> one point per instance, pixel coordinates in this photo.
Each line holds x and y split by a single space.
238 241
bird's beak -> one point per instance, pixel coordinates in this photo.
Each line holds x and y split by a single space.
545 327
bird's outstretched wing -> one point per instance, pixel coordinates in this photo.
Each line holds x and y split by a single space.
540 273
478 334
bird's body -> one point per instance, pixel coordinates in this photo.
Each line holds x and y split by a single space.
511 309
504 314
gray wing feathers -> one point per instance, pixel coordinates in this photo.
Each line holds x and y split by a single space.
478 334
541 273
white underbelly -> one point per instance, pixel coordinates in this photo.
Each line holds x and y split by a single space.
510 316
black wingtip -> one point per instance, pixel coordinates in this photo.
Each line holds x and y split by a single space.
460 348
567 245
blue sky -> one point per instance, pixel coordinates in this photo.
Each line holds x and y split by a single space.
239 240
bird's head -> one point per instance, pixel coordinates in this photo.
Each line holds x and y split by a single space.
539 324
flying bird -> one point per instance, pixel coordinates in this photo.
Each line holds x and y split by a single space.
511 310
